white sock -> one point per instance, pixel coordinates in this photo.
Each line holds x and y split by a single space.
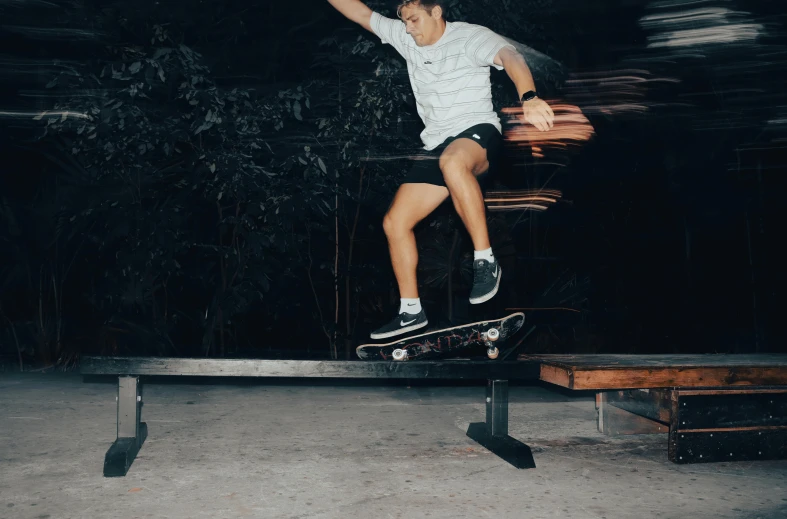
485 254
411 306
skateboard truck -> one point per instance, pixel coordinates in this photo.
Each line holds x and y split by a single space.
489 337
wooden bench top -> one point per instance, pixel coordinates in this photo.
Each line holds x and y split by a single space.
592 371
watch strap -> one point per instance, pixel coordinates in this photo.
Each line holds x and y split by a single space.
527 96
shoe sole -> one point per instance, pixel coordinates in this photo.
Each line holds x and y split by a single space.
489 295
400 331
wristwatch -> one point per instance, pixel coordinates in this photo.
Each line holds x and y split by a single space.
527 96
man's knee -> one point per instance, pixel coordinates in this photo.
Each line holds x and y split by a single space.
393 225
452 165
455 166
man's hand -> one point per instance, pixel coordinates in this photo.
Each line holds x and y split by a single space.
537 112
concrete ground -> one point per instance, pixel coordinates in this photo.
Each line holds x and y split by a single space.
320 449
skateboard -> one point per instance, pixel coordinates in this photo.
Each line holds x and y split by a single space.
438 343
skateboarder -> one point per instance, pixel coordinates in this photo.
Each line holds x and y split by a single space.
448 64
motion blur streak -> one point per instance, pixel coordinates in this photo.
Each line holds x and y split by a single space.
571 128
698 26
532 199
37 116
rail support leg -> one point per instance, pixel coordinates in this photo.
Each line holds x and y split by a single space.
493 434
131 432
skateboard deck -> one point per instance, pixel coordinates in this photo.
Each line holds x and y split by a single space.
438 343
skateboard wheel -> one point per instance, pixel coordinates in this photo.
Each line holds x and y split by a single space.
400 354
492 352
493 334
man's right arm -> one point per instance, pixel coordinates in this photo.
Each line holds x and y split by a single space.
356 11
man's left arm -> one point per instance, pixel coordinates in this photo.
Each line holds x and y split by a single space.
536 111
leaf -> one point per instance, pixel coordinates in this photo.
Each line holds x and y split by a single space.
205 126
163 51
322 165
296 110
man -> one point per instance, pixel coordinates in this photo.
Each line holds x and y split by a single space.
448 64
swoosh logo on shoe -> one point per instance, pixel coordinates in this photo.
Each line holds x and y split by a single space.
494 274
406 323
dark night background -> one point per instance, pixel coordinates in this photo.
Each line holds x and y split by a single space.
208 178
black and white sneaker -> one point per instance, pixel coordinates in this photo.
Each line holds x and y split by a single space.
486 280
403 323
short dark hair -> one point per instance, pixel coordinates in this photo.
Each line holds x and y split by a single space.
427 5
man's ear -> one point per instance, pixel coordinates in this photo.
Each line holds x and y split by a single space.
437 12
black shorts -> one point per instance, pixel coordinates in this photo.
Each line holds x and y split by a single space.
426 167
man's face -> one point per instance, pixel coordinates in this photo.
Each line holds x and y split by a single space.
423 27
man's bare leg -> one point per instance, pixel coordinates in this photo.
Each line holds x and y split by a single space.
461 162
412 203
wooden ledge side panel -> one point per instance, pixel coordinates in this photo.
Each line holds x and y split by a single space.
641 378
557 375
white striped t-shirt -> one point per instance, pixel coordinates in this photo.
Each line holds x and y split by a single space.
450 78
